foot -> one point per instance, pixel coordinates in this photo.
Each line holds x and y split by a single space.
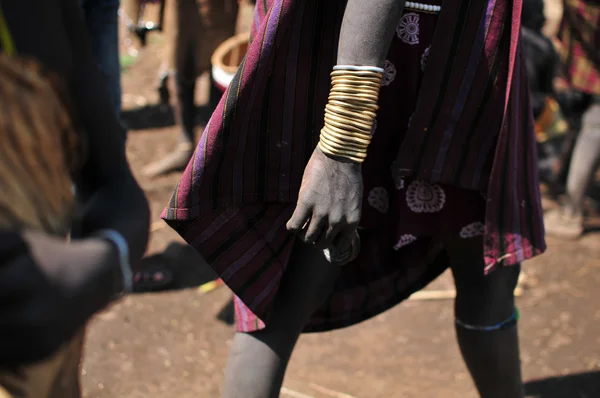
175 161
562 225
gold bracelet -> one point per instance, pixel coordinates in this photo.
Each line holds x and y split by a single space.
349 113
366 81
338 81
343 87
348 156
352 139
336 122
361 73
353 97
342 144
362 94
353 156
354 121
345 156
347 133
366 116
354 106
332 145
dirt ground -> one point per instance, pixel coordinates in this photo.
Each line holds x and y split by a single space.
172 344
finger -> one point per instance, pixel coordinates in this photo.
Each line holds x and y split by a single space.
299 219
327 237
315 227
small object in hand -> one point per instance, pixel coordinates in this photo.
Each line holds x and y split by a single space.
342 258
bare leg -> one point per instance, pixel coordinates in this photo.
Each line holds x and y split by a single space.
257 361
568 222
492 357
185 117
586 159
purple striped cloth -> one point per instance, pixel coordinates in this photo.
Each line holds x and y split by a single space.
263 131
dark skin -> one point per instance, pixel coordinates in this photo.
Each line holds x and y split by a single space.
331 191
51 290
327 214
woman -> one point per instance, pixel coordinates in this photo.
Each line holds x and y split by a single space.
580 52
541 60
449 178
50 287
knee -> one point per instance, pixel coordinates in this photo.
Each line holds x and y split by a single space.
487 299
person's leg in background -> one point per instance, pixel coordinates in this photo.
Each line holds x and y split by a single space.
102 20
183 22
183 83
573 104
567 222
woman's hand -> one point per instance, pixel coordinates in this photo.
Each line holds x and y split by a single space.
329 203
49 289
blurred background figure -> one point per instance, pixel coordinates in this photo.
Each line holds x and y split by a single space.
541 60
59 132
194 29
579 37
102 21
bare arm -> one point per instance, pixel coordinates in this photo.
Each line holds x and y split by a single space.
111 196
367 31
330 198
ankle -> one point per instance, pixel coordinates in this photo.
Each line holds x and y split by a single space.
572 210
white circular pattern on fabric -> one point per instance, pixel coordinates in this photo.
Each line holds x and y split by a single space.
378 199
389 73
472 230
425 197
408 28
398 182
424 58
405 240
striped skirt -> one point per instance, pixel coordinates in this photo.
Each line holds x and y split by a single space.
249 246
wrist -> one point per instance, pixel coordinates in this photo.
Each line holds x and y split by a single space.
121 268
338 159
350 112
108 256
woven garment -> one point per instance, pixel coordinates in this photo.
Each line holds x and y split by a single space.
470 128
579 35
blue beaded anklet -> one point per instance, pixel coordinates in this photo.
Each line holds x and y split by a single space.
510 321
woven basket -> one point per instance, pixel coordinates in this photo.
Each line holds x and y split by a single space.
226 60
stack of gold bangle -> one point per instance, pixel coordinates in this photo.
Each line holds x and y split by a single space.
350 113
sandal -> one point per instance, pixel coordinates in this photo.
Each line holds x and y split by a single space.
153 278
